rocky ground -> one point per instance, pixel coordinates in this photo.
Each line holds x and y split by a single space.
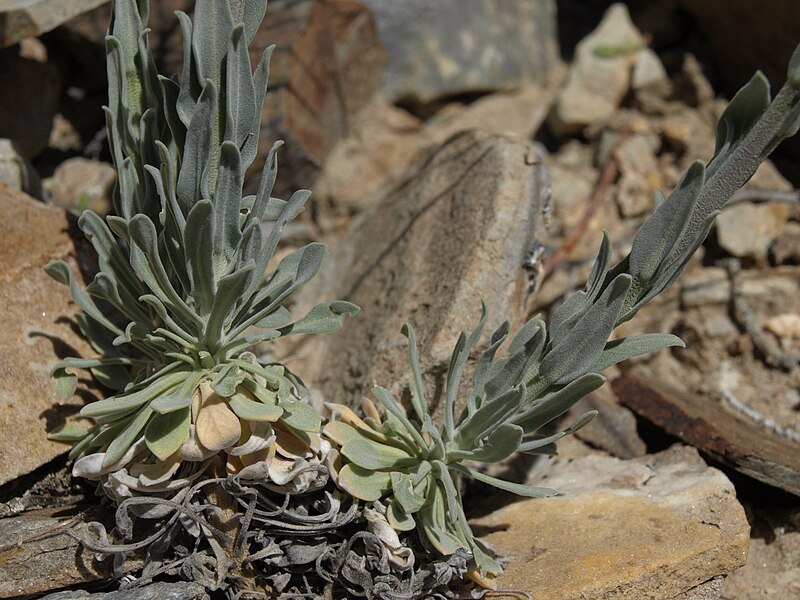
476 154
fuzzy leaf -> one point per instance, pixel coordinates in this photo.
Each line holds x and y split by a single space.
323 318
247 410
180 397
507 486
501 444
372 455
398 518
573 356
404 493
125 438
300 416
364 484
165 433
635 345
556 403
68 432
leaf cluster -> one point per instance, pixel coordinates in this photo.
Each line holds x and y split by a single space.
182 281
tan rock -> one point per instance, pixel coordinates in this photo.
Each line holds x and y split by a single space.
786 325
455 232
746 230
654 527
80 183
600 74
385 141
37 331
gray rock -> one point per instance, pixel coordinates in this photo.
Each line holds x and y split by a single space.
746 230
16 171
456 231
30 18
180 590
448 47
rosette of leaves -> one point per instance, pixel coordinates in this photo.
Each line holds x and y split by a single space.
413 468
181 294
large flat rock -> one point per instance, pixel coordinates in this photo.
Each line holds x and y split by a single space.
450 47
37 331
455 231
660 527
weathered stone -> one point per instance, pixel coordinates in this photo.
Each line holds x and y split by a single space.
37 331
614 427
746 230
17 172
450 47
455 232
727 436
653 527
29 99
385 141
179 590
36 555
600 74
30 18
327 66
80 183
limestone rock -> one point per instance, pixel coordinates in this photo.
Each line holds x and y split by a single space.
456 231
746 230
655 527
17 172
178 590
80 183
600 74
450 47
37 331
30 18
29 99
